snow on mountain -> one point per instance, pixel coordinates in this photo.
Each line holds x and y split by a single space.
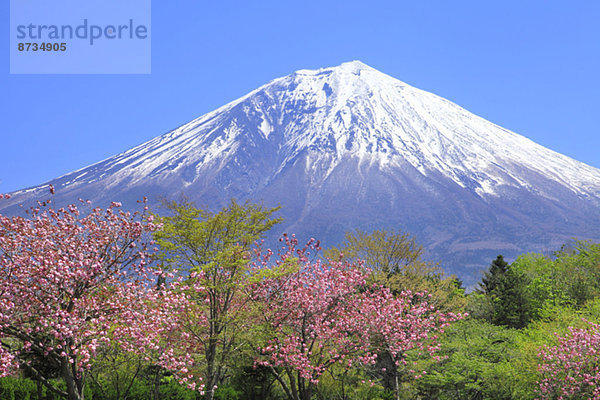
350 147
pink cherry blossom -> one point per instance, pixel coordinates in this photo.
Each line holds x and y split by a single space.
571 369
73 282
325 314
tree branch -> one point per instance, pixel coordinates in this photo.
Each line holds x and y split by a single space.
43 380
282 382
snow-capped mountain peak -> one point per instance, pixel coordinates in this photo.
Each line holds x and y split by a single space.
352 138
351 110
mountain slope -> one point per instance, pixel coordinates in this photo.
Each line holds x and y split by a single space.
350 147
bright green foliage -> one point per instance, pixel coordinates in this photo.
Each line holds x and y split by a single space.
577 271
557 293
18 389
115 373
542 288
572 278
482 361
169 389
217 247
21 388
543 332
196 239
557 320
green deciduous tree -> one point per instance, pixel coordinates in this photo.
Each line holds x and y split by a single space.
215 249
396 260
480 361
577 271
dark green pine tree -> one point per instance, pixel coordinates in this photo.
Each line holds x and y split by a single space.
507 292
494 276
513 303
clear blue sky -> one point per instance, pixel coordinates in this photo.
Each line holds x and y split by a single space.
530 66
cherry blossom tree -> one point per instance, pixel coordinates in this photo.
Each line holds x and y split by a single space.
312 319
571 369
325 314
72 284
402 323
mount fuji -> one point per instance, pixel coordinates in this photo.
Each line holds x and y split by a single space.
350 147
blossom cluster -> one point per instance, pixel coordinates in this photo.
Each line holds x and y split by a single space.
325 313
73 284
571 369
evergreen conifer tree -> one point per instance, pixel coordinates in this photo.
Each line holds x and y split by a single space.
506 290
494 277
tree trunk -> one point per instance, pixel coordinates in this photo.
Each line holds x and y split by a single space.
156 389
308 391
293 386
74 384
291 393
210 393
210 369
40 391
